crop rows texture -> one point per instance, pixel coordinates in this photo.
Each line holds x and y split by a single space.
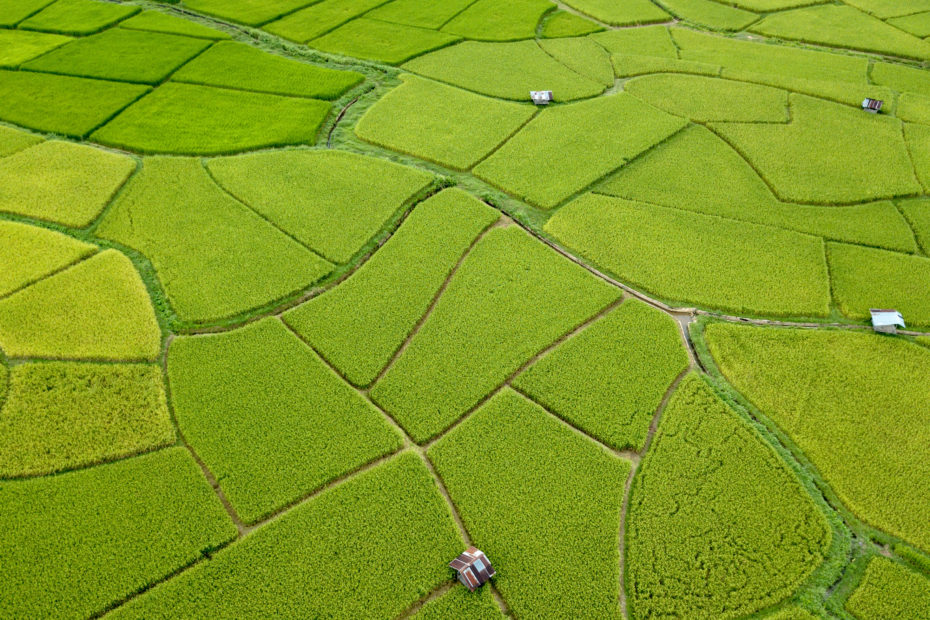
511 297
62 415
711 14
14 140
203 120
440 123
368 548
719 526
856 404
361 323
77 543
62 104
620 14
648 41
889 590
544 501
917 24
121 55
157 21
78 17
268 417
699 259
632 65
376 40
720 182
865 278
505 70
249 12
461 604
332 201
61 181
319 18
492 20
420 14
918 143
31 253
109 314
564 149
705 99
235 65
214 257
18 46
900 77
582 55
609 379
917 212
563 24
14 11
890 8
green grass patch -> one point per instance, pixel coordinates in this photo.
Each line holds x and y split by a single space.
78 17
582 55
267 416
61 181
504 70
122 55
631 65
77 543
511 297
202 120
460 603
18 46
710 14
430 120
720 182
421 14
368 548
545 501
792 612
917 24
621 13
14 140
915 108
917 213
918 144
646 41
865 278
564 24
705 99
332 201
62 415
491 20
62 104
890 590
14 11
249 12
738 531
842 26
854 403
689 258
109 314
217 260
609 379
236 65
565 149
361 323
381 41
817 157
890 8
158 21
32 253
319 18
901 77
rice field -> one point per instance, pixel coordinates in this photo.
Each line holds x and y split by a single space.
299 299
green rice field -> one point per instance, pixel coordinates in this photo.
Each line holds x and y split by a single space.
301 299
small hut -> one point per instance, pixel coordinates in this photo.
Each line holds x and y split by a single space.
886 321
473 568
872 105
541 97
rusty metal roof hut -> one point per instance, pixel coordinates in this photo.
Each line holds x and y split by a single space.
473 568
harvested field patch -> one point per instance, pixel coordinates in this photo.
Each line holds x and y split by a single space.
855 403
890 590
61 181
504 70
491 20
317 559
333 201
78 17
202 120
511 297
240 66
18 46
865 278
373 39
267 416
249 12
319 18
109 314
429 120
739 531
697 259
430 15
545 501
563 24
121 55
214 256
62 415
62 104
361 323
610 378
564 149
157 21
84 540
31 253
